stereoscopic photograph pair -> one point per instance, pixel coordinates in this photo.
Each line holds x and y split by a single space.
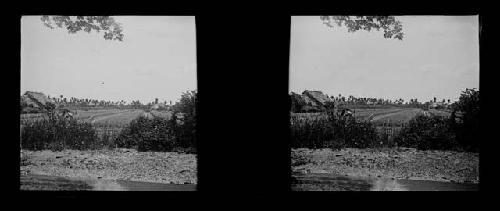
375 103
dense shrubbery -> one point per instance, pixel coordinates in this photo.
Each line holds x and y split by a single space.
335 131
159 134
143 134
465 118
428 132
146 134
58 133
184 112
458 132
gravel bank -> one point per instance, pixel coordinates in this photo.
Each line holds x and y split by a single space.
397 163
122 164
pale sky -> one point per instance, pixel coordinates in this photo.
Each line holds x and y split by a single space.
438 57
157 59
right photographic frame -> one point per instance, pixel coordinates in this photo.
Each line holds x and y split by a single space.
384 103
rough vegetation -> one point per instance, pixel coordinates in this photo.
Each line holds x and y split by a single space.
428 132
150 148
58 133
94 129
336 131
423 130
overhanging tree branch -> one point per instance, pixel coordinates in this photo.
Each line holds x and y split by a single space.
392 27
112 29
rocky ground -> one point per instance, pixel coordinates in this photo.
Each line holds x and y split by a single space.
397 163
116 164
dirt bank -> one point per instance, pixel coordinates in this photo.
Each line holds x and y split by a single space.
117 164
401 163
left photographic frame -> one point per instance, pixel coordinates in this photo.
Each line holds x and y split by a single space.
108 103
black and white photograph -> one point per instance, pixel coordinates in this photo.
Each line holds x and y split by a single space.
384 103
265 101
108 103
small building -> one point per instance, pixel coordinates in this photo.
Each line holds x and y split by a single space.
159 106
437 105
36 102
318 97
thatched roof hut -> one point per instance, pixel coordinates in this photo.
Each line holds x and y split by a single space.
309 101
317 97
36 100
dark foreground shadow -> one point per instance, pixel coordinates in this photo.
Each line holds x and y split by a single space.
53 183
329 182
42 183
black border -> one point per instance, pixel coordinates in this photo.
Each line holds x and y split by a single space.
242 55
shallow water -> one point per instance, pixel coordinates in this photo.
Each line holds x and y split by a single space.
330 182
43 182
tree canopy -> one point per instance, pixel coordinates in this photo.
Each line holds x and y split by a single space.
112 29
392 27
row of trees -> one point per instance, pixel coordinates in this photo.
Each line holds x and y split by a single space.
145 134
87 102
459 131
380 101
299 105
159 134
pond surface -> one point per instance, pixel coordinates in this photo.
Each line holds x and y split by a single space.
329 182
301 182
52 183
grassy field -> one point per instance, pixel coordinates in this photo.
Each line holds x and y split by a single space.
397 117
105 121
387 121
368 113
378 116
113 117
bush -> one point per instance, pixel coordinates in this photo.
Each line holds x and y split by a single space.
335 131
58 133
428 133
146 134
465 119
158 134
184 120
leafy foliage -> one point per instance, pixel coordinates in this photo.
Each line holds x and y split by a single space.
159 134
184 119
112 29
392 27
187 103
156 134
335 131
58 133
465 119
146 134
458 132
428 132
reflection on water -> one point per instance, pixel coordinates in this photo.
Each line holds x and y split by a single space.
50 183
43 182
148 186
330 182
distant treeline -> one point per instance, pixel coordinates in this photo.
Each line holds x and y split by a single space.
87 102
37 102
316 102
144 134
459 131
